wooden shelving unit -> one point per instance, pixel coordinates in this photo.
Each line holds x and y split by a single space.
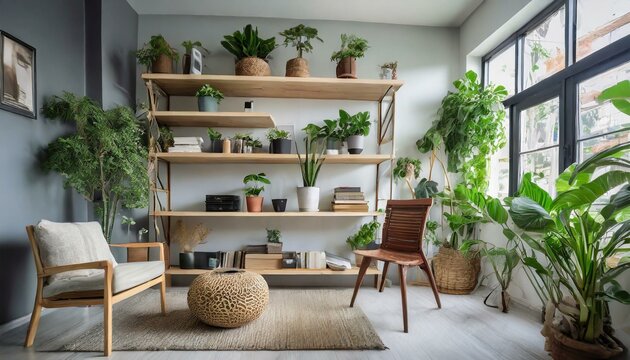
214 119
218 158
175 270
265 214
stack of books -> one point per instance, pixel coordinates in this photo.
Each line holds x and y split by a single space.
186 144
349 198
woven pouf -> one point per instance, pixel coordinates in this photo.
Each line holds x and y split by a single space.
228 298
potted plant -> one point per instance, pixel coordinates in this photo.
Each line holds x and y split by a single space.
216 141
310 164
388 70
129 221
208 98
188 239
188 46
355 128
250 50
238 142
279 141
331 132
255 145
165 139
157 55
363 238
252 193
352 48
299 37
274 246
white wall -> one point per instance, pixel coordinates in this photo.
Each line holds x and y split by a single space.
428 63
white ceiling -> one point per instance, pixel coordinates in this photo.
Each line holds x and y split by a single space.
405 12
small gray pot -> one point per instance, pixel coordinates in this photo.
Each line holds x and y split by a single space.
208 104
355 144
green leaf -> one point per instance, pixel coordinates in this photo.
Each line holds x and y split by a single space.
619 95
496 211
599 160
589 192
617 293
531 190
529 215
533 263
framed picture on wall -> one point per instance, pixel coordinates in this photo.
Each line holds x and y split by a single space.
17 76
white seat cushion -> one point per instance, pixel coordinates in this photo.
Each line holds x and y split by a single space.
71 243
126 276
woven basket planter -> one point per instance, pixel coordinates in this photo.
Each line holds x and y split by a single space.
297 67
252 66
454 273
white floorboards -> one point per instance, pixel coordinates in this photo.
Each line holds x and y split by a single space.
463 329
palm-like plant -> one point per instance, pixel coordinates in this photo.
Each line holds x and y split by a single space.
313 158
248 44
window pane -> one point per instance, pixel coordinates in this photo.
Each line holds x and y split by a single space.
543 162
591 147
599 23
544 49
499 173
539 125
502 70
596 118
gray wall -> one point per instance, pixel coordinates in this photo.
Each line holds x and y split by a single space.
56 29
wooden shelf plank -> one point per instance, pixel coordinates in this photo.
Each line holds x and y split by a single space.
175 270
276 86
265 214
215 119
257 158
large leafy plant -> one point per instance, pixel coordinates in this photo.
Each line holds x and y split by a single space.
470 127
300 37
248 44
258 180
105 160
313 158
365 236
157 46
351 46
357 124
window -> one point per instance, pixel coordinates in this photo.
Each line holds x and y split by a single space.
502 69
544 49
599 23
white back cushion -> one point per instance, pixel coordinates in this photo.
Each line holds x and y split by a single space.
71 243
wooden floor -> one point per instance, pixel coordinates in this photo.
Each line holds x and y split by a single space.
463 329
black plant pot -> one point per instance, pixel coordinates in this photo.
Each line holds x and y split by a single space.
216 146
187 260
281 146
279 205
186 64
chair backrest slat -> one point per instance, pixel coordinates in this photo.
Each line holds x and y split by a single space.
404 225
30 230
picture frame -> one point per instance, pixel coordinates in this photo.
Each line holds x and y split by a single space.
18 80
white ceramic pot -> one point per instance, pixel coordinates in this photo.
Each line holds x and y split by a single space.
355 144
308 198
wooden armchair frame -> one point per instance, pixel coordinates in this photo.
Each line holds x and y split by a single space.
87 298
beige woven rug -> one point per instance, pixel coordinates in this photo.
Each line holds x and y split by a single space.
296 319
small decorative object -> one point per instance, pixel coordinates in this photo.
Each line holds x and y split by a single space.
216 140
188 239
209 98
310 164
227 146
352 48
223 203
238 141
157 55
129 221
18 93
279 141
274 245
279 205
363 238
192 52
213 263
299 37
388 71
354 129
249 106
141 233
228 298
252 193
250 50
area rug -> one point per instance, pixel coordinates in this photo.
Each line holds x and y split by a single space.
296 319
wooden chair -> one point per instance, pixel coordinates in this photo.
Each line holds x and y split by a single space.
403 231
105 297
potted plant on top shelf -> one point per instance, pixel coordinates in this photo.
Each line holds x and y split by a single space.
188 46
216 141
299 37
279 142
310 164
157 55
352 48
250 50
252 193
208 98
363 238
388 70
354 129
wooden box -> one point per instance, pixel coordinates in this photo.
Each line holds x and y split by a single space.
263 261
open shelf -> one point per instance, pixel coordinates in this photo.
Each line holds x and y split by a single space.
215 119
257 158
276 86
175 270
265 214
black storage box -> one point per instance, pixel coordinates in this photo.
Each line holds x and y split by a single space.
223 203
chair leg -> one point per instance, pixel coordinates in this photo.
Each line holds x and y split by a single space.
427 270
384 276
364 266
107 313
32 326
163 295
402 271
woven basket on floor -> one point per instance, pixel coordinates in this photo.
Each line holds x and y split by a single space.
454 273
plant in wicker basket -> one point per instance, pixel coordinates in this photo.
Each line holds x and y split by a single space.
250 50
299 37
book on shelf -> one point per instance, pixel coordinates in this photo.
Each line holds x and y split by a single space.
349 196
342 202
311 259
187 140
353 189
351 207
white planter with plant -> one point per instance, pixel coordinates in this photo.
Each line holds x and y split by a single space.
310 164
299 37
355 128
209 98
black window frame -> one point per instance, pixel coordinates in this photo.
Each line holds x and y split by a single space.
564 83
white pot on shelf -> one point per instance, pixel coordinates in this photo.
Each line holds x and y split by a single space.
308 198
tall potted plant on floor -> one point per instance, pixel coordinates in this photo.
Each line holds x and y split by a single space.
352 48
252 193
310 164
299 37
157 55
250 50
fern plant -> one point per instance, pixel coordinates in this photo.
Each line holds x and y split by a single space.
248 44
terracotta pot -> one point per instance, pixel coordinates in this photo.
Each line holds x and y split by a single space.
186 64
254 203
347 68
252 66
297 67
565 348
163 65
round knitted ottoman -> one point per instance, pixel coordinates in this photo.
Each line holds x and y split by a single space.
228 298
